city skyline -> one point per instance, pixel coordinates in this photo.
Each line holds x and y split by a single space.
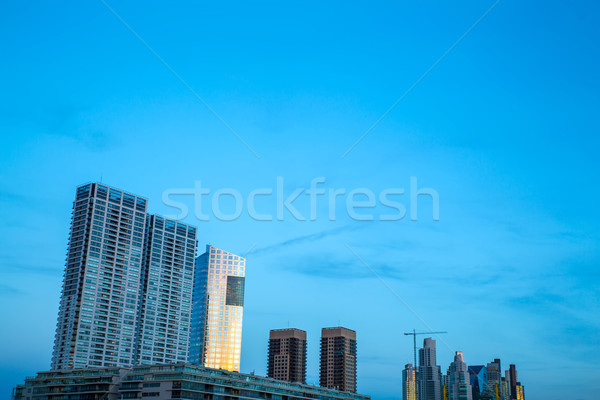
203 261
495 111
135 294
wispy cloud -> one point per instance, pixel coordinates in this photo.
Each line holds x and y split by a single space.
9 290
79 124
28 269
329 266
304 239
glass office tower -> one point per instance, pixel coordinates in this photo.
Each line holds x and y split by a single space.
429 382
409 385
459 380
217 311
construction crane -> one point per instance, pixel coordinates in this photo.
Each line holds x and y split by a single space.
414 334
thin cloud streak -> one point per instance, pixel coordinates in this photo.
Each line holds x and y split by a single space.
304 239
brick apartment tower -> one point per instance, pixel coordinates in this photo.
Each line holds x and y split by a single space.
512 375
338 359
287 355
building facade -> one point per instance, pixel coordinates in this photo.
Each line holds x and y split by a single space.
515 390
494 372
409 383
103 289
217 310
167 381
430 375
520 389
338 359
166 304
479 381
287 355
505 389
101 285
459 386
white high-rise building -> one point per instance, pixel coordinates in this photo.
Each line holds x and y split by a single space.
166 306
114 260
459 386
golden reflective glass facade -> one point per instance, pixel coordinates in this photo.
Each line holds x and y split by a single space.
520 392
222 306
409 387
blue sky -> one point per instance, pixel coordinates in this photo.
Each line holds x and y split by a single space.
505 129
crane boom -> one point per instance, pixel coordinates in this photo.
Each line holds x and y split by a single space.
414 334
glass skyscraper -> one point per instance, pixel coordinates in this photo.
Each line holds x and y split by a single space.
430 375
217 311
409 384
113 261
459 381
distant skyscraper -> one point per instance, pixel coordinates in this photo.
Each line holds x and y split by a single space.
217 310
512 379
167 279
430 375
445 381
479 380
520 391
459 386
409 384
338 359
494 372
107 280
287 355
505 389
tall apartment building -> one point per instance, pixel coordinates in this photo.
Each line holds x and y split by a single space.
217 310
338 359
166 308
106 273
430 375
459 386
287 355
409 383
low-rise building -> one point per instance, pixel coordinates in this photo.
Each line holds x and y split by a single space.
166 382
